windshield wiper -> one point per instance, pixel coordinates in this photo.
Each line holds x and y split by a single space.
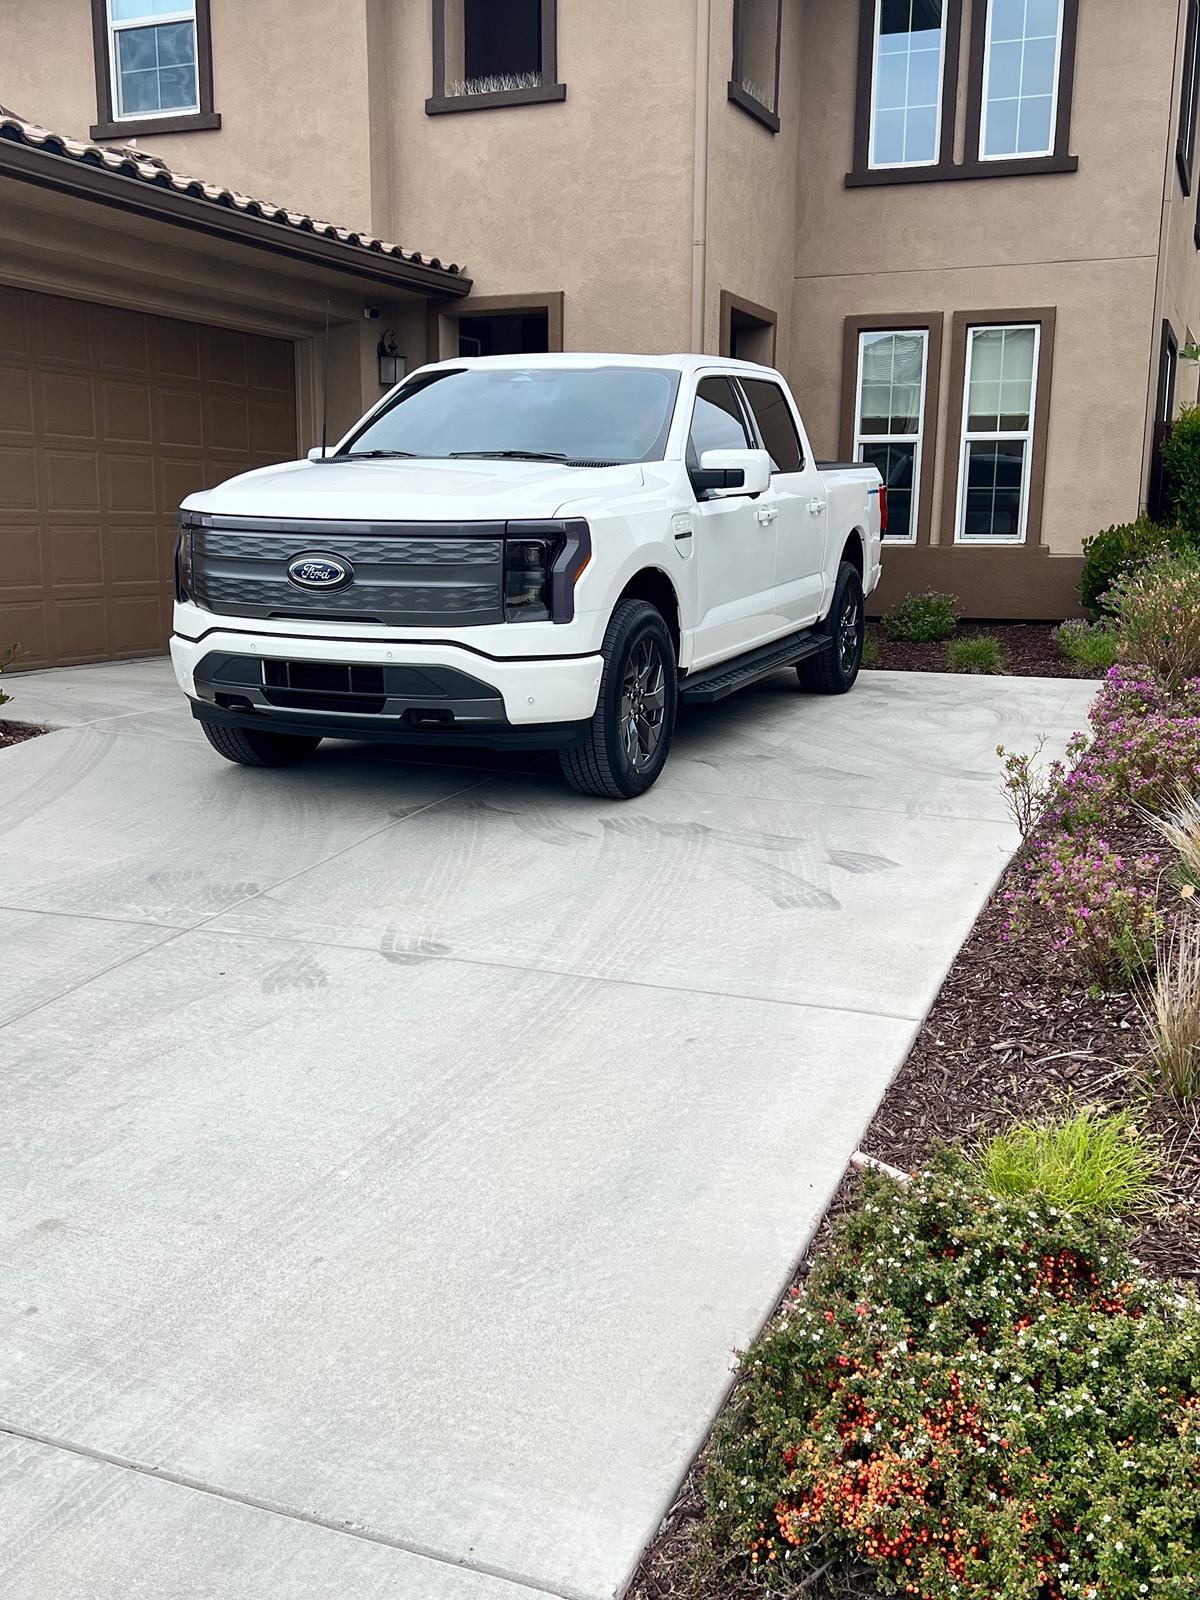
506 455
377 455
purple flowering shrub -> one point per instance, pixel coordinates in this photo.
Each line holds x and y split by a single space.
1101 902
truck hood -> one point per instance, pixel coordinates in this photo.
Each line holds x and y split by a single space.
411 491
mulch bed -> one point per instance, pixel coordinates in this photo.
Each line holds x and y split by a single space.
18 732
1029 650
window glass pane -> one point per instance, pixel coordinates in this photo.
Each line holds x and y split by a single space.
758 36
139 10
717 420
775 423
1020 82
892 369
995 473
1001 380
156 68
897 468
906 82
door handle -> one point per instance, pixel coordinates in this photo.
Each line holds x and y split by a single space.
766 514
816 507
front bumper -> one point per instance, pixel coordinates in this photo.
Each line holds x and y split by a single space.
391 690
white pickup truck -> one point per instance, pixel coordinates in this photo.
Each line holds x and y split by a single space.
551 551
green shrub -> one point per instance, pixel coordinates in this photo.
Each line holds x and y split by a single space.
1107 556
974 1399
1157 612
1081 1163
922 618
1181 468
1089 647
981 653
7 658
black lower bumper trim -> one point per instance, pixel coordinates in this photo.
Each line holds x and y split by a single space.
387 730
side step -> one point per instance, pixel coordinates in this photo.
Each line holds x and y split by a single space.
717 683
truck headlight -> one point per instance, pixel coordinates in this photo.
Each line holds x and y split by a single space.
543 561
183 556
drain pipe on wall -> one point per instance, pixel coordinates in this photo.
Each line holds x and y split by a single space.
700 176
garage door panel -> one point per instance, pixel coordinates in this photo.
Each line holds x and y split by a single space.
21 552
16 400
72 480
76 558
108 419
125 409
68 406
18 479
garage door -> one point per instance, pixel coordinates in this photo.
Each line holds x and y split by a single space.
108 418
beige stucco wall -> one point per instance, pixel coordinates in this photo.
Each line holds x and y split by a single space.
1085 243
752 189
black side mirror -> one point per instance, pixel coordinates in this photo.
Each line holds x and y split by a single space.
705 480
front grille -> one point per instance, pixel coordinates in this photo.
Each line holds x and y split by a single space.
322 686
402 574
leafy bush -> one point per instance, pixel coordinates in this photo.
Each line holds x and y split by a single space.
922 618
1100 907
1081 1163
1181 468
1111 554
976 1399
1157 611
1173 1013
979 654
1090 648
7 658
1028 786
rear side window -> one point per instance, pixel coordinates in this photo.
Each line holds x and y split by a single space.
776 424
716 421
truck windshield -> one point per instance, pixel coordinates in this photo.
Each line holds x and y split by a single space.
583 416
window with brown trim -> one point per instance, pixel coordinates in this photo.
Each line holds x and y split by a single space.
1021 73
757 37
748 331
153 67
891 376
1000 372
1185 143
490 53
497 324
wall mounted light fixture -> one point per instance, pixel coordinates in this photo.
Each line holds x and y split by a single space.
391 362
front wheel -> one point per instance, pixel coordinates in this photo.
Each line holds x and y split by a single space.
834 669
630 733
256 747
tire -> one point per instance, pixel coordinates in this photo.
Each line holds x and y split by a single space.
834 669
250 747
625 753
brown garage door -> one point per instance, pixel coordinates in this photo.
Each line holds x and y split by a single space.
108 418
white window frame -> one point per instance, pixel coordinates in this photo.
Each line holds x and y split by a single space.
153 20
917 439
896 166
986 107
989 436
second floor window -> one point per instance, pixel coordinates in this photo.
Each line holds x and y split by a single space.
757 31
1021 72
907 83
489 53
153 57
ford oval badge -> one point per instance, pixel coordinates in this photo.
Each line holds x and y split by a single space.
319 572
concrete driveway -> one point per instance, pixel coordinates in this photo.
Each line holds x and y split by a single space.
394 1152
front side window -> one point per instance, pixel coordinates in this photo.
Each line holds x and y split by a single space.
997 433
907 71
717 422
580 416
1021 72
776 424
892 371
153 57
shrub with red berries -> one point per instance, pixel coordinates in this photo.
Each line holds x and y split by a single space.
974 1399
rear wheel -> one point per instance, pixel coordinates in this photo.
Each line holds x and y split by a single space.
250 747
631 730
834 669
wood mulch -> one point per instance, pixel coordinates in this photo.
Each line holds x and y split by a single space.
1029 650
18 732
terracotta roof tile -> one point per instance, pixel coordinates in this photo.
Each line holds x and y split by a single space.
131 162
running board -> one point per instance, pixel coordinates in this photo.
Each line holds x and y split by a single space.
716 683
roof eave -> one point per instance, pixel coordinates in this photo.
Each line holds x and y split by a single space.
67 175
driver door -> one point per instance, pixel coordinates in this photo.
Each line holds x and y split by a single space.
736 539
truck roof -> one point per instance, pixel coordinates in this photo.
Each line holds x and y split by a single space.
571 358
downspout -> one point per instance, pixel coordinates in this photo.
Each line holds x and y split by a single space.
700 175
